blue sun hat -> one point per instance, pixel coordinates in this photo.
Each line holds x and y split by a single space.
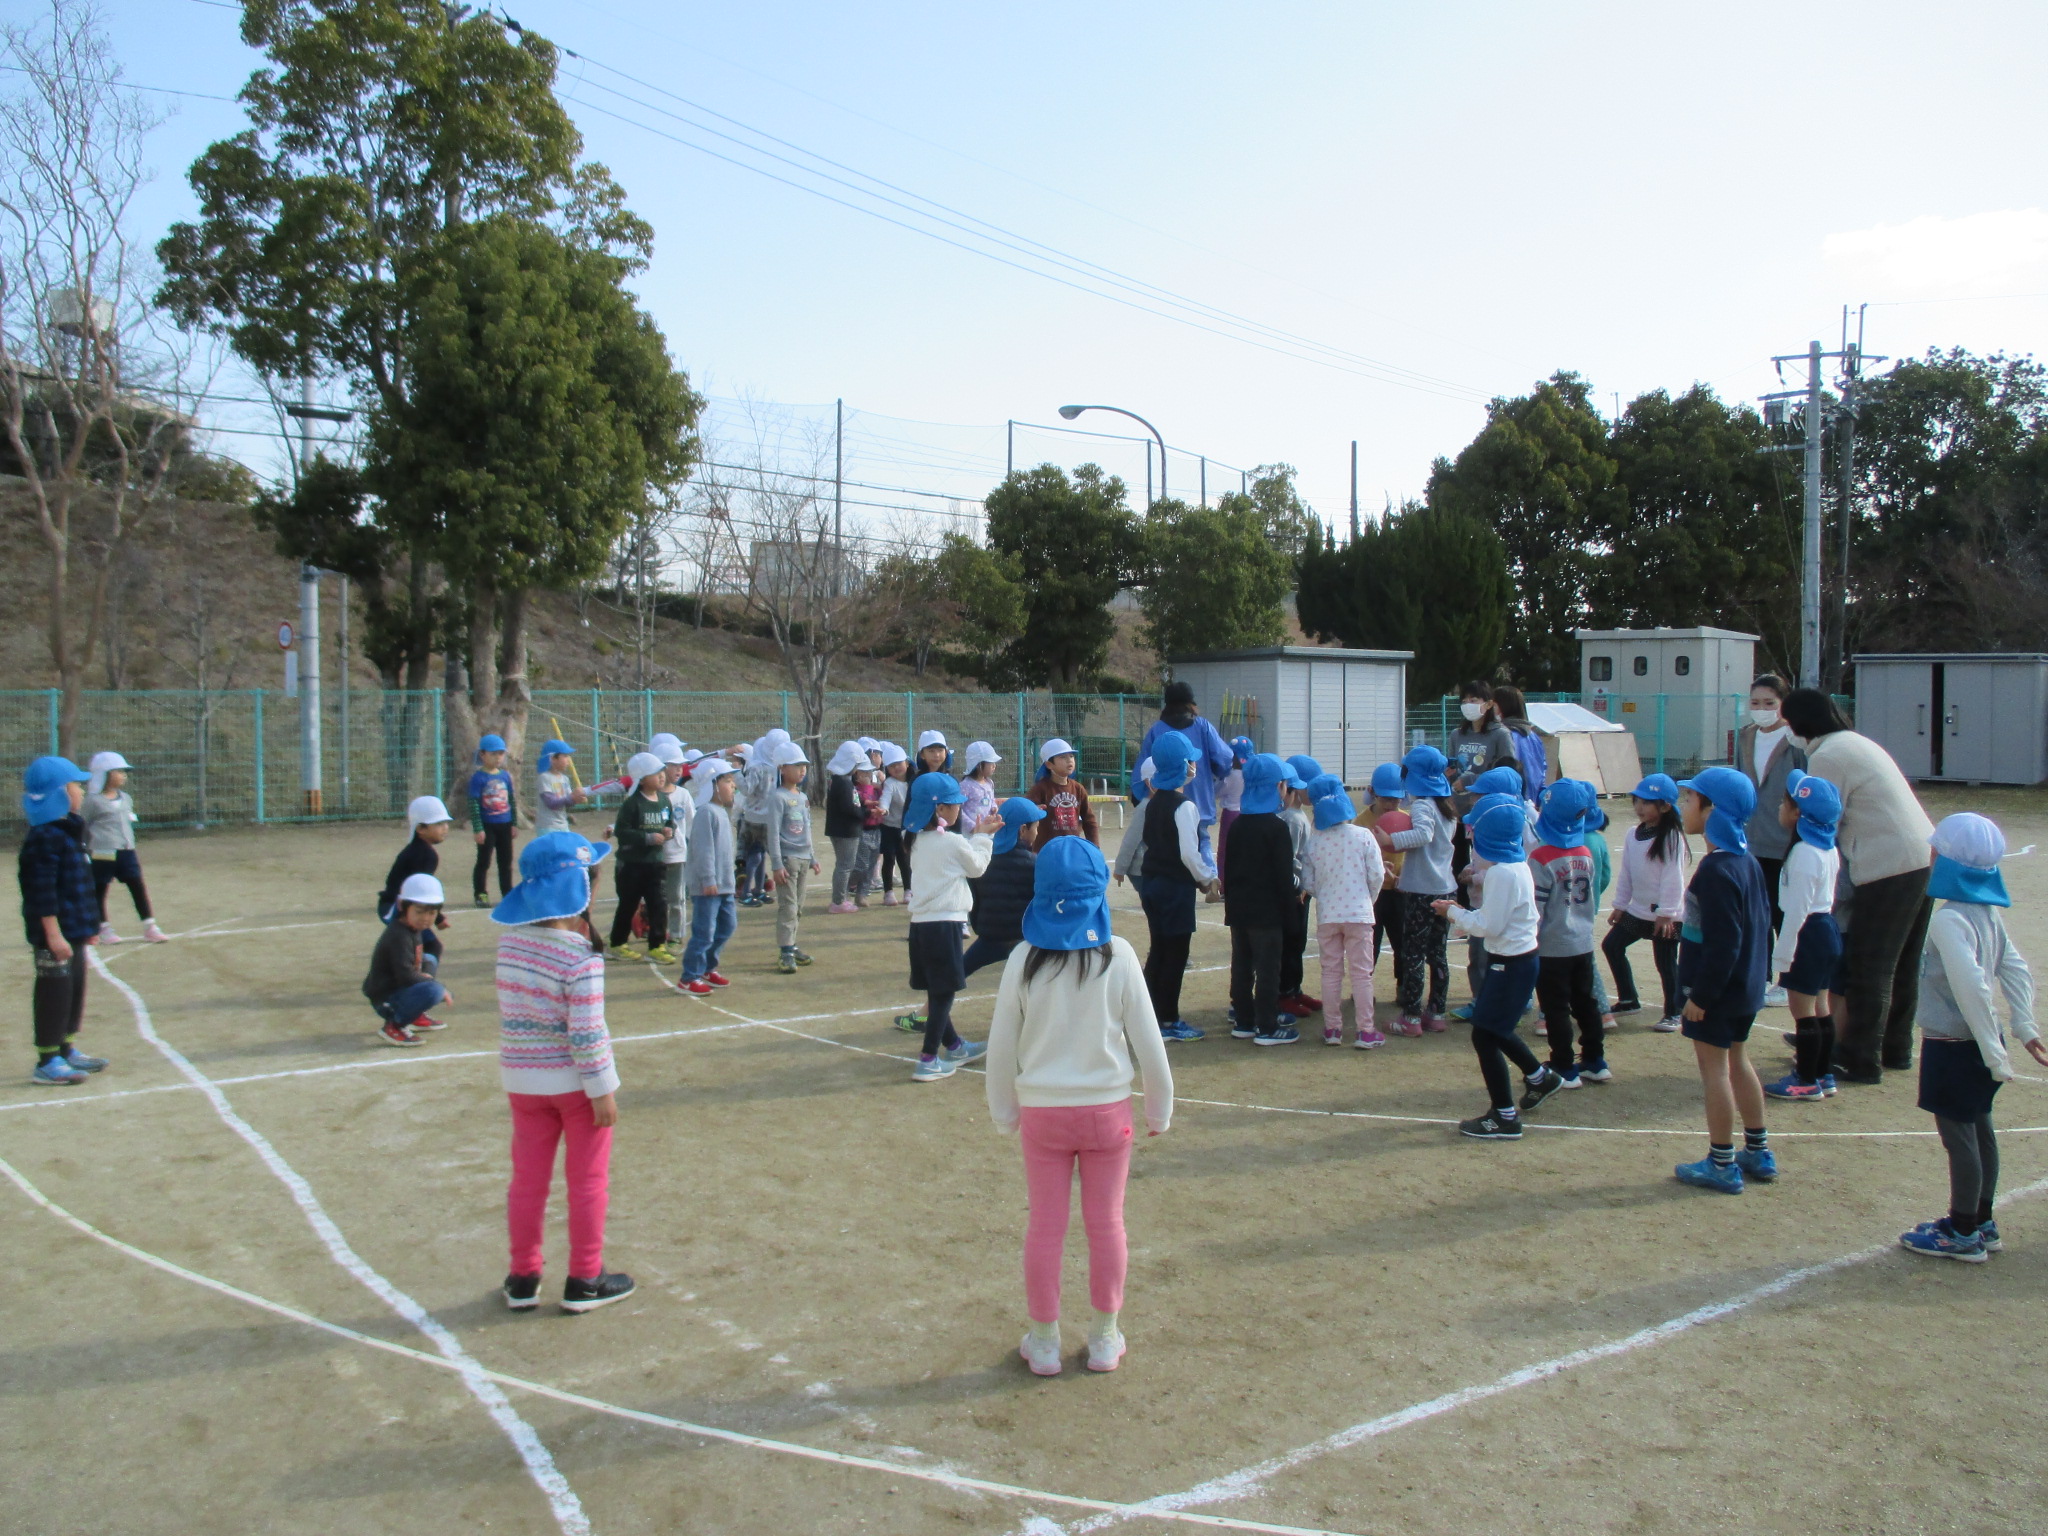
928 791
1172 752
1017 812
1241 749
1323 784
1967 848
1334 810
549 748
1561 819
1305 767
1422 772
1069 898
1504 780
1263 776
1497 824
554 879
43 799
1657 786
1141 781
491 742
1820 808
1388 782
1733 799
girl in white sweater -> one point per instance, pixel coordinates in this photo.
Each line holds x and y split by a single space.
1072 1014
1649 897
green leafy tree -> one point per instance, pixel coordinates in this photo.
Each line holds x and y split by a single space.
959 597
1075 544
1214 579
1286 517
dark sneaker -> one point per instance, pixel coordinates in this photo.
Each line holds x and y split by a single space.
1939 1240
1179 1029
1540 1087
1760 1165
78 1061
1286 1034
800 957
1490 1127
588 1295
522 1291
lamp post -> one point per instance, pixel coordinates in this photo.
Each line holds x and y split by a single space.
1069 412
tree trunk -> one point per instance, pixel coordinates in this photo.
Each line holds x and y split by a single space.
508 712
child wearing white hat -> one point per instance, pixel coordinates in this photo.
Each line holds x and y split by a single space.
843 820
895 851
401 984
109 815
428 820
675 853
646 825
791 857
978 782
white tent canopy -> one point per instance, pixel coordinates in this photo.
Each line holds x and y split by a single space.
1583 745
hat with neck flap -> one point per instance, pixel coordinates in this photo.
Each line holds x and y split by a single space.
1733 799
1334 809
1497 824
1016 812
1069 898
1263 776
1967 848
1561 822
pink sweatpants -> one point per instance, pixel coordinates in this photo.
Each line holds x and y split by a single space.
1340 942
539 1122
1097 1137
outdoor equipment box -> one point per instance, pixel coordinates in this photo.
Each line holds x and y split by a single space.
1981 718
1345 708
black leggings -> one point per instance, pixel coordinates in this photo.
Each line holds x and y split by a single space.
1423 937
1492 1048
1972 1166
938 1023
127 869
894 855
59 998
1165 964
1293 946
1386 926
498 838
638 883
1629 929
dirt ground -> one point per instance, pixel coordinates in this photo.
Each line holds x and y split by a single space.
828 1259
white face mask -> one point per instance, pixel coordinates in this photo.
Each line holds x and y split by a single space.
1473 710
1764 719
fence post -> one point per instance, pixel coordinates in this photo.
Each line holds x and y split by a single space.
596 736
255 694
56 718
1020 743
785 709
647 712
1123 746
910 727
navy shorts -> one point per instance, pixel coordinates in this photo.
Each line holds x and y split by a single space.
1818 957
1719 1029
1954 1082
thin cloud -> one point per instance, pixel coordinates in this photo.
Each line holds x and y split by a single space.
1978 253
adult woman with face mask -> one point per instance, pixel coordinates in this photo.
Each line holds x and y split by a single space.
1765 752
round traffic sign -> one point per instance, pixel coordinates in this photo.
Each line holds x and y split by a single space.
285 636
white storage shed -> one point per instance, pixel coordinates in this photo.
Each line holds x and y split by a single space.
1344 708
1981 718
1680 692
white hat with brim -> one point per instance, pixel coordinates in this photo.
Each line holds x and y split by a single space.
102 764
425 811
643 765
977 753
423 891
1054 748
789 753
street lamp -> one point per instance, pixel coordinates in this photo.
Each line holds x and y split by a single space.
1069 412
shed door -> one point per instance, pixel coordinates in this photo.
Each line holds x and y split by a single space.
1991 725
1372 720
1895 708
1326 714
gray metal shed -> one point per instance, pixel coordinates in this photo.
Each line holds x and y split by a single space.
1979 717
1344 708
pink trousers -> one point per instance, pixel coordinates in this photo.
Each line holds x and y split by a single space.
539 1122
1340 942
1097 1138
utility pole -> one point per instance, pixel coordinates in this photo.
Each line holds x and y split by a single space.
1205 480
1809 542
1853 359
838 493
1009 448
1354 488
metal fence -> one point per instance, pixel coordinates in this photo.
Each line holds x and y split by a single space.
232 756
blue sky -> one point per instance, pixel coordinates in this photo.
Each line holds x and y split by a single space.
1474 193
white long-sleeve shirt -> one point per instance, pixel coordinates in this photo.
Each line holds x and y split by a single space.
1507 915
1648 887
1343 870
1187 828
1130 853
1806 885
941 864
1062 1041
677 849
1967 948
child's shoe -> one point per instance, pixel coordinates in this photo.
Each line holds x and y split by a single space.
107 934
1301 1004
1939 1240
427 1021
1540 1087
1568 1077
78 1061
910 1023
1040 1353
398 1034
1789 1087
1369 1039
1595 1072
151 934
482 900
601 1291
1759 1165
1180 1029
933 1069
840 908
57 1072
626 952
1725 1178
661 954
1827 1084
965 1051
1774 997
1238 1031
1333 1034
1283 1034
1988 1231
697 986
522 1291
889 899
1105 1350
1462 1013
1668 1025
712 978
1409 1025
1626 1005
786 965
1435 1023
799 957
1491 1127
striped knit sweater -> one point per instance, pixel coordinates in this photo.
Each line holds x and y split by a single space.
552 1037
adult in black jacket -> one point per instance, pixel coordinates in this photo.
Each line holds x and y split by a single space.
1258 888
1003 890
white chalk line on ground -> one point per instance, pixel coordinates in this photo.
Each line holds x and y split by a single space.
539 1462
1247 1481
614 1410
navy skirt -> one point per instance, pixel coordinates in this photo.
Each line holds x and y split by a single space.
1817 958
937 963
1954 1082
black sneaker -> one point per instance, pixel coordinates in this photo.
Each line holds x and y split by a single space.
588 1295
522 1291
1536 1089
1490 1127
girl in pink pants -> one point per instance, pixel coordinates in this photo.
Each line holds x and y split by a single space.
1344 870
1072 1014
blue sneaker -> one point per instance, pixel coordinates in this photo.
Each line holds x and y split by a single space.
1789 1087
1286 1034
1568 1077
933 1069
1595 1072
78 1061
1462 1013
1758 1165
1708 1174
1987 1232
966 1051
1181 1029
1939 1240
1827 1084
56 1071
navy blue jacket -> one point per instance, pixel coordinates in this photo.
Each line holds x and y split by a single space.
1724 946
1001 893
56 881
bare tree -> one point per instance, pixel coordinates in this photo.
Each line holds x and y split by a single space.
89 414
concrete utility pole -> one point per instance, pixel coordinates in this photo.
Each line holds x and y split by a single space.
1809 543
1354 488
309 687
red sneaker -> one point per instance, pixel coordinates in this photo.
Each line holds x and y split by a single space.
716 980
426 1021
697 988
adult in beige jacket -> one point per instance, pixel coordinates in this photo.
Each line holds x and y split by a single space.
1883 842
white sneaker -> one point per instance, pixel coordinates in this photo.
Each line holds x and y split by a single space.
1668 1025
1774 997
107 934
153 934
1105 1351
1043 1355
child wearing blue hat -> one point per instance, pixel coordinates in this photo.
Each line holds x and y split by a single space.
1495 781
1072 1016
1963 1059
1297 812
60 915
1229 797
1649 897
1723 954
1344 872
1257 897
1425 885
941 901
492 814
1003 890
1563 871
1172 867
1809 946
1385 812
556 791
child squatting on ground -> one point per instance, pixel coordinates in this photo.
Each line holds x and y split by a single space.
555 1061
1963 1059
60 915
1723 949
401 984
1072 1014
109 815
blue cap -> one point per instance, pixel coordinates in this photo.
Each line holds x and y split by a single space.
1504 780
1171 754
554 879
1657 786
1820 808
1016 812
491 743
1335 809
1388 783
1497 824
1324 784
549 748
1733 798
926 791
1305 767
43 799
1069 897
1561 818
1241 748
1423 773
1262 779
